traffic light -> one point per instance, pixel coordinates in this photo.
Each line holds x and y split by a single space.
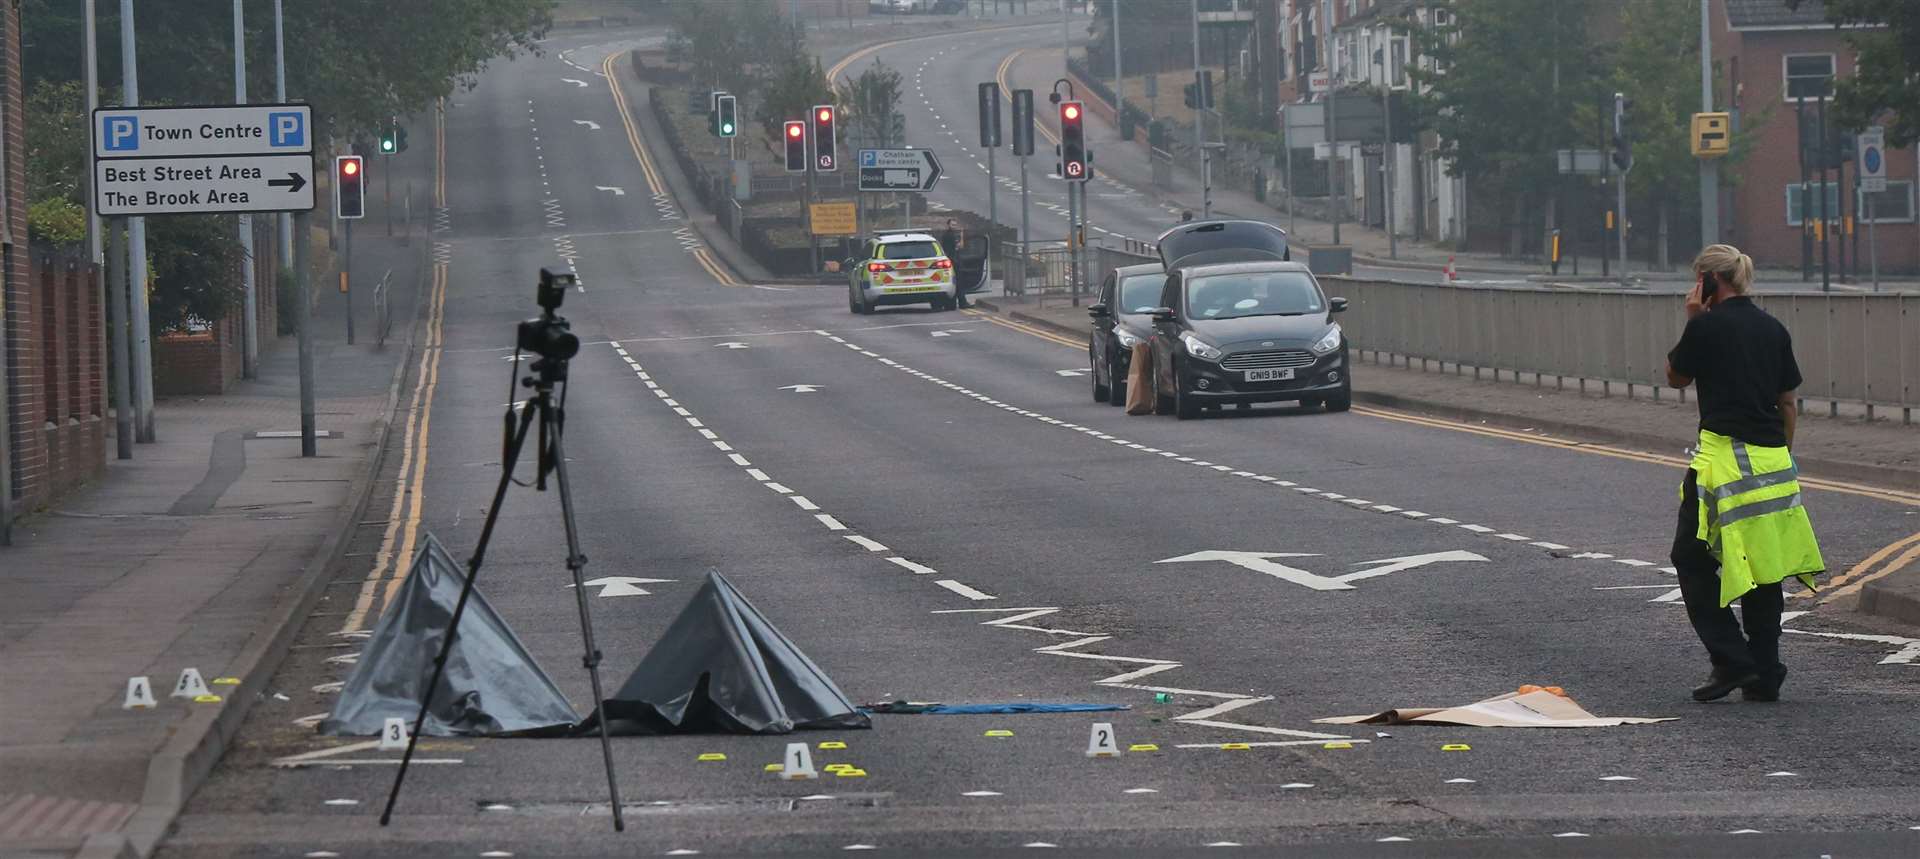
1023 122
796 141
400 138
1622 139
389 141
726 122
989 115
349 187
1073 141
823 140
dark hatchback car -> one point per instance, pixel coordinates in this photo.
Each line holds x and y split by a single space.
1122 318
1247 332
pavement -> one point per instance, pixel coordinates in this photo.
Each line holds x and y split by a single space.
932 508
195 553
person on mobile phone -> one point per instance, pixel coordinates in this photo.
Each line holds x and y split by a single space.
1742 529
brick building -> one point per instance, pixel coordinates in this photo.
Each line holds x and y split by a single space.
1771 56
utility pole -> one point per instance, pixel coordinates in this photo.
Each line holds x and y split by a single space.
1119 83
1335 193
1709 167
90 54
113 281
303 316
1824 225
249 303
137 255
1199 115
280 95
1286 138
1386 150
1620 190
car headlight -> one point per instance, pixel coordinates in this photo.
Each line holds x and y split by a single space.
1329 342
1199 349
1127 339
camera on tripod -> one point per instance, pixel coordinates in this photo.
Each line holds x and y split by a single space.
550 335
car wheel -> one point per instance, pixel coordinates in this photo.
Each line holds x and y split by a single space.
1342 401
1184 407
1100 392
860 305
1116 387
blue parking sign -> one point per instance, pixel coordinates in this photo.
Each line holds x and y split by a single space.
869 158
120 132
287 130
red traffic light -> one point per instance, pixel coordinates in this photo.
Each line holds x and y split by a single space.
825 114
1070 111
350 167
794 129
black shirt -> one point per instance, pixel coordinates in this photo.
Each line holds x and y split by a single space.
1741 361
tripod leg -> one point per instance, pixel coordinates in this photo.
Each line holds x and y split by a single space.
507 464
576 564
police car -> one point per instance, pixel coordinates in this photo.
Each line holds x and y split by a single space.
900 267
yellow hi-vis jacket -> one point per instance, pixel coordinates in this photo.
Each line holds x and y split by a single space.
1750 515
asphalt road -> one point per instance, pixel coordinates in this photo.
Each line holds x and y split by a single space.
1008 532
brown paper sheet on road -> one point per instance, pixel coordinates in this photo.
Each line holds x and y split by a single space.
1512 710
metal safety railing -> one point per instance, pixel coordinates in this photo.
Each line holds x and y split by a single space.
382 316
1858 349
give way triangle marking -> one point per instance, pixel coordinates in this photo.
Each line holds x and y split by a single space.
1262 562
622 586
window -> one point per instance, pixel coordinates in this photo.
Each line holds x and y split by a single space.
1398 62
1808 76
1892 206
1813 202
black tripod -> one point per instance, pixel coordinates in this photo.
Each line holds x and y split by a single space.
549 338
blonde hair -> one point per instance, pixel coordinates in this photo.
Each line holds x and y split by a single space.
1735 269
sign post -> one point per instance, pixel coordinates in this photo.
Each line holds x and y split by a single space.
1871 167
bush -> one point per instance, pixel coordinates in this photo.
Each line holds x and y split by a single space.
56 223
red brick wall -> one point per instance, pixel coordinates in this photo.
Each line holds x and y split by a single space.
1756 217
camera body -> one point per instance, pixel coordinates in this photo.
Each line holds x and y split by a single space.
550 335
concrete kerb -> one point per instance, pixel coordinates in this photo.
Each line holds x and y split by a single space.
186 760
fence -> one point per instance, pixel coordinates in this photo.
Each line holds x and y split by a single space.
1852 348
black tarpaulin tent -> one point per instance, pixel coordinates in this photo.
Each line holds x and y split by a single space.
722 667
491 685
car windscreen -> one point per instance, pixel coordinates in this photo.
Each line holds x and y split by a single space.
1140 293
1263 293
909 250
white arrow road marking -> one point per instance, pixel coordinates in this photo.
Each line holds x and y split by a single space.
1394 565
802 389
1259 563
578 83
590 124
731 344
950 332
617 192
622 586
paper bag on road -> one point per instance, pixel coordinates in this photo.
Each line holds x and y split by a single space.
1140 381
1513 710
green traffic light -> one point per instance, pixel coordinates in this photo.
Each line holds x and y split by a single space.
386 144
726 128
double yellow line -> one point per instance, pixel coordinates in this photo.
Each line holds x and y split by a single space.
1023 328
1860 574
655 186
409 495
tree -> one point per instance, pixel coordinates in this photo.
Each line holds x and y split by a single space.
729 46
1501 97
1658 68
1887 72
795 88
195 262
873 100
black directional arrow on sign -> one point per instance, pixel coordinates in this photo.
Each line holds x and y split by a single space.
293 183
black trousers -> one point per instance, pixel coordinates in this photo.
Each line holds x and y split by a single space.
1758 650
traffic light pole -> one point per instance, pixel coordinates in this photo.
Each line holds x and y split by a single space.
303 317
1073 246
1026 234
346 279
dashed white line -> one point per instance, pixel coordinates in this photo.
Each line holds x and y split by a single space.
916 569
963 590
867 544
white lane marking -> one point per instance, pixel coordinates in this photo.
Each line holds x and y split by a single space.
803 502
757 474
1552 547
867 543
831 523
739 460
964 591
778 488
909 566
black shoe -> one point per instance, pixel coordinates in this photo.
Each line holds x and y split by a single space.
1722 682
1767 689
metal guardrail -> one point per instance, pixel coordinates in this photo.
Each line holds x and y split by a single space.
1852 348
382 316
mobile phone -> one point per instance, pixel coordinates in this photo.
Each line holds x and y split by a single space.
1709 284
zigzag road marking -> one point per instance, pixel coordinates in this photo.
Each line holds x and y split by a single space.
1204 717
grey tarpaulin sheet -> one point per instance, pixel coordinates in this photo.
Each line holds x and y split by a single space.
722 667
491 685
